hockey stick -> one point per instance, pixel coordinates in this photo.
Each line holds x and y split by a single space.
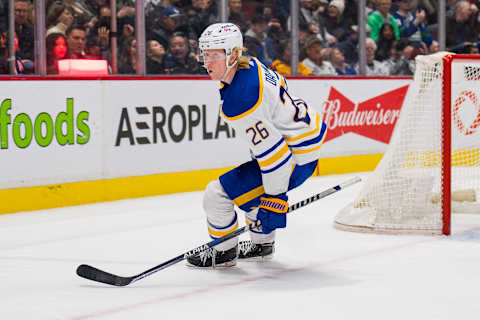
92 273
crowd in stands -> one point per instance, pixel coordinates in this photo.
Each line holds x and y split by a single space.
397 31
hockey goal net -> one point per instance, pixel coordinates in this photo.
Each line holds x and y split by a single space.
432 164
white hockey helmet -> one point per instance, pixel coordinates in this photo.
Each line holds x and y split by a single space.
225 36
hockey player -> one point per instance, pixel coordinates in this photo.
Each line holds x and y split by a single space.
284 136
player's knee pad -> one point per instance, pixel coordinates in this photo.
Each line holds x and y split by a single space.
217 204
221 216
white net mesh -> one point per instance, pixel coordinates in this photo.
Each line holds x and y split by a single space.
403 194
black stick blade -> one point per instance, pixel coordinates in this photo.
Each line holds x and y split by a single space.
92 273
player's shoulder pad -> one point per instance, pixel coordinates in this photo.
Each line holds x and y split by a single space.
245 92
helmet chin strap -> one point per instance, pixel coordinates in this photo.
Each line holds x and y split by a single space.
229 67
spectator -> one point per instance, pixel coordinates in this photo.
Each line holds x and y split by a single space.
59 18
275 33
126 19
373 67
460 34
303 34
265 10
104 18
412 26
3 14
382 15
473 24
179 60
255 40
93 48
306 15
24 30
471 49
85 12
4 66
385 42
370 7
337 60
167 25
336 27
314 60
236 15
349 47
155 54
431 10
282 12
399 63
76 38
200 15
282 65
350 13
127 60
56 47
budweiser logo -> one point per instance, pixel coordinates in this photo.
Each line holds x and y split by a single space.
374 118
464 96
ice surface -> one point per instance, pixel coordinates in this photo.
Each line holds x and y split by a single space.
318 272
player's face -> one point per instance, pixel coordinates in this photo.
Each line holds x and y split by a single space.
214 62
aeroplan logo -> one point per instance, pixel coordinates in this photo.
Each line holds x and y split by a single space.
43 127
374 118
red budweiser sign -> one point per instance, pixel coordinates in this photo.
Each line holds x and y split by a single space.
374 118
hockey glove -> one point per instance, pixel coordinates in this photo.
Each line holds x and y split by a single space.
272 212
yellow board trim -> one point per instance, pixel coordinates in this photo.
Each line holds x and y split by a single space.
348 164
78 193
274 158
306 134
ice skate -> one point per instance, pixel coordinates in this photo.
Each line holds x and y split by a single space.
250 251
205 259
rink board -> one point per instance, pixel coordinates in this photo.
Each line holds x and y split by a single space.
75 141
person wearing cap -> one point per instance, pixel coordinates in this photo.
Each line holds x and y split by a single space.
382 15
314 60
168 23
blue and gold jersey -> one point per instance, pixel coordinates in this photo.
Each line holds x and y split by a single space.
281 130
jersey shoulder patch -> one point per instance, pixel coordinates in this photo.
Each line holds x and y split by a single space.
245 92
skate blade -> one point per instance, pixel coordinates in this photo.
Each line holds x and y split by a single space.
258 259
224 265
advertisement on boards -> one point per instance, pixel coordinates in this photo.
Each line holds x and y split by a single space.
68 131
360 114
167 126
50 132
